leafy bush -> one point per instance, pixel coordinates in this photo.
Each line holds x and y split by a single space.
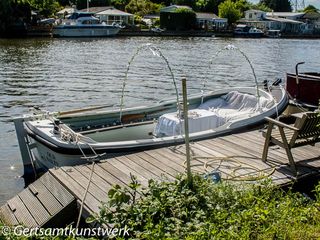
207 210
228 9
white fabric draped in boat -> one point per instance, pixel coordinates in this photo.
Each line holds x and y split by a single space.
212 114
169 124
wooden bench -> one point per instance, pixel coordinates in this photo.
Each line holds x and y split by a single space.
305 131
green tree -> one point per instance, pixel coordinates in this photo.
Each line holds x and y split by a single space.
243 5
262 7
82 4
119 4
310 8
13 16
64 2
229 10
142 7
47 8
207 5
278 5
190 3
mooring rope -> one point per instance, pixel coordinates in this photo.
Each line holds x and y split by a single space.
238 165
90 177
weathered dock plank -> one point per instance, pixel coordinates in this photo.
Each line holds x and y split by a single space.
235 156
42 203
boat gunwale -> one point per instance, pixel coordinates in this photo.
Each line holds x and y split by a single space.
133 145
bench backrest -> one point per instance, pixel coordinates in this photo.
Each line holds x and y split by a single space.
309 128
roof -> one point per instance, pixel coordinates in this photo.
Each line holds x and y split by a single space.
284 14
284 20
254 10
151 16
241 26
206 15
114 12
68 10
311 15
172 8
95 9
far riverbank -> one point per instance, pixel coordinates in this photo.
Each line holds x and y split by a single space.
46 32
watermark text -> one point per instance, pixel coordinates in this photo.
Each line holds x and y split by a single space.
69 231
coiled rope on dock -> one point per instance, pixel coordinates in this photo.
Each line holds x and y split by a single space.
218 163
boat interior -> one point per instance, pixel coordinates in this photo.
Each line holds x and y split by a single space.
164 120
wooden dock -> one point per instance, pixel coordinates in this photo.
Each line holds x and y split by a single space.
236 157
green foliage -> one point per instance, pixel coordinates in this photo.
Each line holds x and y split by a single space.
243 5
229 10
173 210
13 16
278 5
47 8
190 3
310 8
119 4
82 4
142 7
182 19
262 7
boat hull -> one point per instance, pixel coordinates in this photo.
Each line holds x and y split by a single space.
49 150
79 31
306 90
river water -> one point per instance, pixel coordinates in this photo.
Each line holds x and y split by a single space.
62 74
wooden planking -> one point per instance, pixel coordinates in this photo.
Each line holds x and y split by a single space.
21 213
138 165
96 179
77 189
35 207
178 158
7 216
164 169
128 171
83 179
108 177
51 204
56 189
169 161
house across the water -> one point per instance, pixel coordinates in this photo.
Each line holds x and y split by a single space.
285 22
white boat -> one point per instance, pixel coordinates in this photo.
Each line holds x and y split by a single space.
87 26
243 30
60 139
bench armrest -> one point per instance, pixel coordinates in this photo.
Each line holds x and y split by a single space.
281 124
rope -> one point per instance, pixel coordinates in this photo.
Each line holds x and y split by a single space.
85 194
90 178
238 165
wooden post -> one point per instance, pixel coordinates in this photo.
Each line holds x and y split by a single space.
29 170
186 129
